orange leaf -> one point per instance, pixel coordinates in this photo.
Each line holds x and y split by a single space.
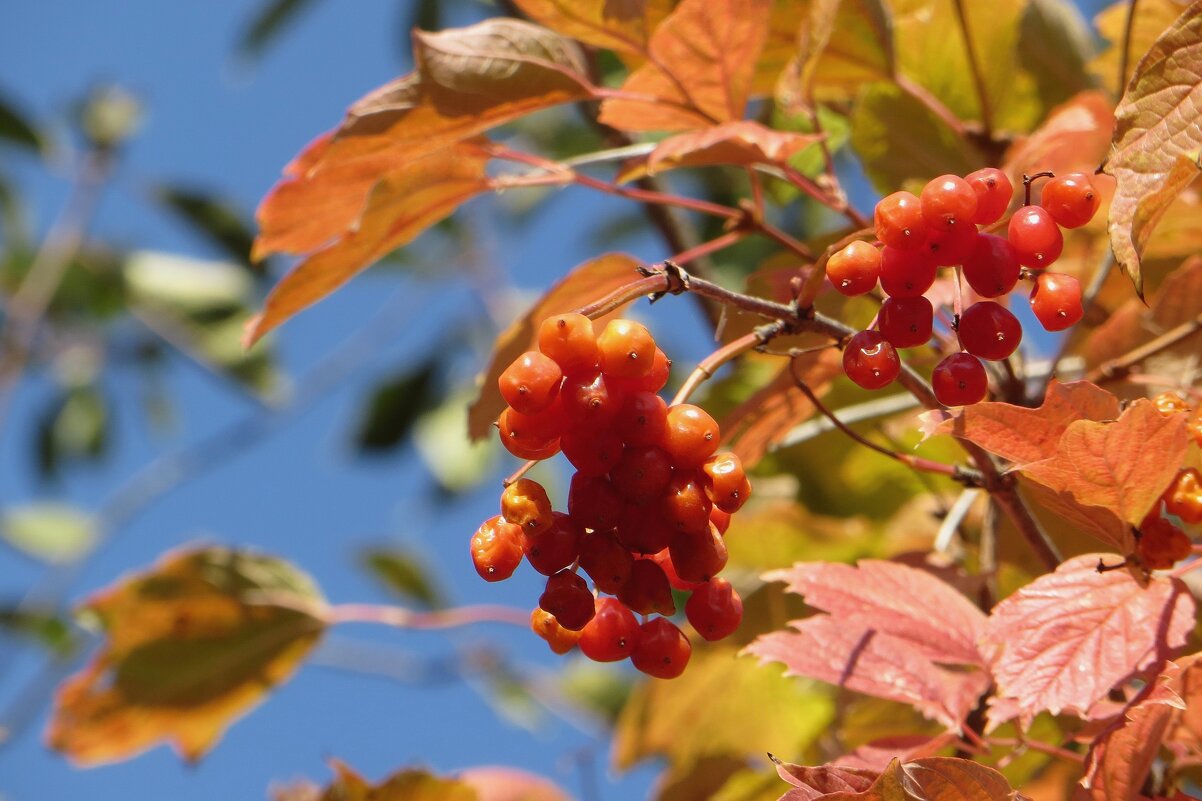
586 283
404 203
741 143
702 60
192 645
620 25
928 779
1102 524
1075 137
405 785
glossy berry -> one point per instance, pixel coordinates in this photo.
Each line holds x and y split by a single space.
1183 498
698 557
948 202
1056 301
714 609
644 529
906 273
898 221
567 597
653 381
989 331
992 267
950 246
627 349
663 650
518 437
1161 544
544 624
726 483
870 361
1036 237
691 435
994 190
1070 199
555 547
593 502
592 451
960 380
590 400
685 503
569 340
525 503
720 519
642 420
497 549
664 560
531 382
607 561
647 590
854 269
906 322
612 634
642 474
1170 403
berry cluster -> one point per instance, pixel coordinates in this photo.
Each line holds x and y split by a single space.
939 228
1161 542
648 505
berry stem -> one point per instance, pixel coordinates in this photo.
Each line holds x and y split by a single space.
710 364
1036 745
521 471
974 66
809 187
648 285
403 618
1030 179
713 245
1117 369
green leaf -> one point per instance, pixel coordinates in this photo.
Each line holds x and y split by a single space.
212 217
456 462
51 632
1055 45
17 130
52 532
186 285
271 20
75 427
842 45
393 408
405 574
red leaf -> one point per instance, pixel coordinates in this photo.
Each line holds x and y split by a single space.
741 143
933 779
1021 434
1075 137
1123 465
817 782
903 602
1069 637
1095 521
876 755
1185 733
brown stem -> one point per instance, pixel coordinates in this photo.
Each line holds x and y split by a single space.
516 475
1116 369
650 285
1125 53
974 66
932 104
710 364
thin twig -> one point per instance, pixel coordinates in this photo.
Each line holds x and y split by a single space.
932 104
1116 369
974 66
869 410
1125 53
710 364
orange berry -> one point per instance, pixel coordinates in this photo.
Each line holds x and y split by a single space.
531 383
525 503
570 341
627 349
544 624
496 549
1183 498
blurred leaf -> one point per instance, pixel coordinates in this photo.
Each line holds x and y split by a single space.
17 130
1055 43
186 285
405 574
214 218
507 784
811 162
393 408
743 143
74 427
191 645
621 26
1152 18
406 785
51 632
842 45
456 461
52 532
595 687
1074 137
273 17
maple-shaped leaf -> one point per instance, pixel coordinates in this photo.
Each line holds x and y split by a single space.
1157 138
1021 434
1184 737
1069 637
1096 521
190 646
812 783
1120 757
875 755
623 26
1124 465
587 282
1150 20
741 143
928 779
1075 137
701 63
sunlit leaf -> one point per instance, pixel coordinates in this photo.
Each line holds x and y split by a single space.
52 532
1157 137
48 630
742 143
1075 137
73 427
393 407
1055 42
1152 18
1185 730
213 217
497 783
932 778
405 785
1069 637
621 25
186 285
818 781
404 573
457 462
1098 522
190 646
842 45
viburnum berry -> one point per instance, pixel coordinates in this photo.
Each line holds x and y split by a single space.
1194 426
607 561
663 651
644 529
950 246
642 474
992 267
525 503
698 557
653 381
948 202
898 221
1183 498
720 519
627 349
1161 544
664 560
906 322
552 549
612 634
567 597
569 340
691 435
642 420
497 549
1056 301
590 401
531 382
520 434
685 504
714 609
989 331
593 502
870 361
647 590
906 273
1035 236
854 269
1170 403
959 380
993 190
592 451
1070 199
544 624
726 483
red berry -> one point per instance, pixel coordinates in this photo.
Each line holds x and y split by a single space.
592 451
992 267
714 609
644 529
1161 544
994 191
870 361
612 634
664 560
525 503
698 557
522 435
593 502
990 331
497 549
1183 498
691 436
570 341
948 202
898 221
606 560
555 547
544 624
726 483
642 474
906 322
590 400
642 419
960 380
663 650
1070 199
720 519
1056 301
854 269
647 590
906 273
685 504
567 597
531 382
1036 237
951 246
627 349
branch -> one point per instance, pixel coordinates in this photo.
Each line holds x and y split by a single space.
1116 369
974 65
731 350
400 617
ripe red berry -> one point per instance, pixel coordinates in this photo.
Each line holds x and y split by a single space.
994 190
525 503
593 502
590 400
627 349
720 519
870 361
606 561
570 341
555 547
714 609
664 560
1170 403
726 482
992 267
642 419
948 202
906 322
497 549
698 557
898 221
1056 301
906 273
960 380
1183 498
1036 237
988 330
531 382
951 246
642 474
685 504
612 634
567 597
647 590
592 451
644 529
544 624
523 435
663 650
691 435
1161 544
854 269
1070 199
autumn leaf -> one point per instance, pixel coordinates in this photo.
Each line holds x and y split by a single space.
1151 19
1157 139
816 782
876 755
624 27
191 646
1075 137
1069 637
1185 731
702 60
587 282
1123 465
405 785
403 203
1096 521
927 779
741 144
